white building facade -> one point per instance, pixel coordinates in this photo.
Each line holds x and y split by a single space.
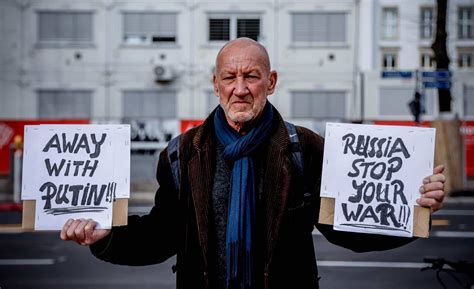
110 60
397 36
150 62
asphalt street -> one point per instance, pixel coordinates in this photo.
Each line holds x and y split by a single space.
42 260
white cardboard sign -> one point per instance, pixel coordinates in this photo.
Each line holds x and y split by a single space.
75 171
374 173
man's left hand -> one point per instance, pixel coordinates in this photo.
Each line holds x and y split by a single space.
432 190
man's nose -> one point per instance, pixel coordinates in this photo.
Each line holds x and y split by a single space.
241 88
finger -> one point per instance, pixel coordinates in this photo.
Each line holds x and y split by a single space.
433 204
79 231
437 195
434 178
438 169
71 230
63 234
89 231
431 187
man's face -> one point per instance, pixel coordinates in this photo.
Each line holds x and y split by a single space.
243 81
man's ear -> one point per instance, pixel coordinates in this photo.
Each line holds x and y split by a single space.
214 81
272 81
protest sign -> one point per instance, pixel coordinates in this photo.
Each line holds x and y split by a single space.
75 171
374 174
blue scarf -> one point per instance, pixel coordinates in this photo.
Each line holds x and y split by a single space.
241 218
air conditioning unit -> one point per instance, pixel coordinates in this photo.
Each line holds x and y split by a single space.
164 73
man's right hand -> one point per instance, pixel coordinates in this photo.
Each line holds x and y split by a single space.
83 231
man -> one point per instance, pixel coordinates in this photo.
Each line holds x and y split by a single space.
239 219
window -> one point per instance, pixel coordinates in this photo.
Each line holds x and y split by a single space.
426 23
65 27
53 104
224 27
465 58
219 29
148 28
393 101
427 60
469 101
389 59
149 104
318 104
465 23
389 23
319 28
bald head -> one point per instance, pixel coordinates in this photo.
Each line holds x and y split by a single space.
256 49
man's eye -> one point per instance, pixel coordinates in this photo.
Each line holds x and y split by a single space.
252 76
228 77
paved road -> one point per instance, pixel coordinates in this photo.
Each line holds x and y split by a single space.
41 260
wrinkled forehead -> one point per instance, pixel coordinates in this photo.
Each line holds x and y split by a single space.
243 56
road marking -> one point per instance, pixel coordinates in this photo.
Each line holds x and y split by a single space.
363 264
440 222
444 212
452 234
10 262
139 210
33 261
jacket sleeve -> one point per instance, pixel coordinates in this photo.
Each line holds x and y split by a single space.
151 238
313 149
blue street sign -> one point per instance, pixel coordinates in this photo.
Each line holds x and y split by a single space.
396 73
444 84
438 74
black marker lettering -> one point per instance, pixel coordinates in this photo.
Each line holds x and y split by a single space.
54 169
395 164
399 146
91 168
350 139
69 146
78 164
358 188
97 145
53 143
398 191
83 143
369 213
387 211
352 215
374 174
60 199
50 193
75 193
356 169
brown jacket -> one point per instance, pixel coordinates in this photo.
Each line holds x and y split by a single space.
180 222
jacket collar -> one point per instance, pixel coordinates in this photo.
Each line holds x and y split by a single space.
275 185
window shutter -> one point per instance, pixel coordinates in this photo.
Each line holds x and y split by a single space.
64 104
469 101
148 28
219 29
149 104
319 104
336 27
327 27
248 28
65 26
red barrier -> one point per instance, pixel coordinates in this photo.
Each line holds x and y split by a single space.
467 131
11 128
187 124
